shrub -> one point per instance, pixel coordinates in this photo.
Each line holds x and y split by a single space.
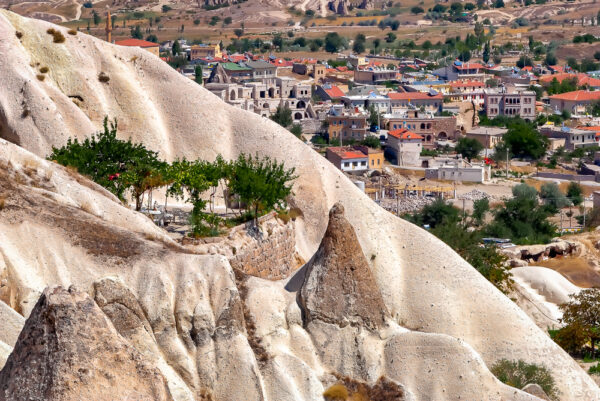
593 370
44 70
518 374
102 77
58 37
19 34
40 77
72 32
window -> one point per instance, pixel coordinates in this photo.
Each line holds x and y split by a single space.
372 162
354 164
378 162
346 164
363 163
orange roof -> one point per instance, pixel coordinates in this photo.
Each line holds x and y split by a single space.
527 68
413 96
469 66
403 133
577 96
582 79
467 84
334 92
596 128
135 43
347 153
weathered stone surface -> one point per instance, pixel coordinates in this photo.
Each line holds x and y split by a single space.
535 389
339 287
69 350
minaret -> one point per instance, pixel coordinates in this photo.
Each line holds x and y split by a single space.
108 27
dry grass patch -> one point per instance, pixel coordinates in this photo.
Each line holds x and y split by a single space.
57 36
72 32
102 77
40 77
19 34
44 70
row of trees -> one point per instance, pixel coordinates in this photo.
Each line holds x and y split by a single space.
122 167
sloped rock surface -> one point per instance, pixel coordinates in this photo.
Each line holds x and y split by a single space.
339 287
68 350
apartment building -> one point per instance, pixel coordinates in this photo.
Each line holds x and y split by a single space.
501 102
347 124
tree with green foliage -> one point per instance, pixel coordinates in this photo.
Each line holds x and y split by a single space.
575 193
371 141
522 218
552 196
518 374
261 184
96 18
524 141
176 48
480 208
581 316
296 129
144 176
283 116
358 46
136 32
333 42
499 4
152 38
238 32
390 37
104 158
486 52
198 74
468 148
417 10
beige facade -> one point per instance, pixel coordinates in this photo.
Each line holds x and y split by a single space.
347 126
431 128
500 103
203 51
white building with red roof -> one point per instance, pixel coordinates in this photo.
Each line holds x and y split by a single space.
405 147
574 102
348 159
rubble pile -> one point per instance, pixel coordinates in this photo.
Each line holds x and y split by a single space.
409 204
474 195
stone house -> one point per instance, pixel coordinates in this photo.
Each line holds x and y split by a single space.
347 124
431 101
405 147
510 103
348 159
431 128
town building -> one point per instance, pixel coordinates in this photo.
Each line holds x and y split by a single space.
502 102
348 159
230 73
460 70
144 44
378 102
489 137
460 170
574 137
575 102
205 51
431 128
374 76
347 124
261 69
430 101
329 92
404 147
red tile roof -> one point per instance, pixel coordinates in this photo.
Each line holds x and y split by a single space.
582 79
469 66
347 153
135 43
414 96
403 133
334 92
596 128
578 96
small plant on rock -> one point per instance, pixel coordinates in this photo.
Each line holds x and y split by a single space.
102 77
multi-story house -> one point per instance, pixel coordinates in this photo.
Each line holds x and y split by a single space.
348 159
405 147
205 51
431 128
374 76
344 124
574 137
430 101
500 102
574 102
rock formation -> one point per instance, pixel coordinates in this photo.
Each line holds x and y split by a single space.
339 287
446 322
68 350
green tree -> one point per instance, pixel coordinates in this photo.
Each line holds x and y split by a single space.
390 37
282 116
176 49
104 158
238 32
96 18
525 141
198 74
480 208
575 193
261 184
333 42
582 315
371 141
296 129
469 148
144 176
486 52
553 197
358 46
136 32
417 10
152 38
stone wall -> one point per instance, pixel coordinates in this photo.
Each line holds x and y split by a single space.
270 253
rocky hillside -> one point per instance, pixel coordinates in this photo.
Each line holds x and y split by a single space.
427 327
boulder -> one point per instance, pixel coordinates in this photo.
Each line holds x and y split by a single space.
69 350
536 390
339 287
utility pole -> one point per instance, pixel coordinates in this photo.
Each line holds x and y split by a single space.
583 228
507 163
